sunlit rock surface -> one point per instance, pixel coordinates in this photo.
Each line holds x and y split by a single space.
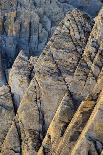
51 77
48 86
20 76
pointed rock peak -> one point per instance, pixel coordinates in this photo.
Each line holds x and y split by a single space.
22 54
6 112
11 145
20 76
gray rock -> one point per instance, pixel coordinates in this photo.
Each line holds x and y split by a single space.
6 112
19 77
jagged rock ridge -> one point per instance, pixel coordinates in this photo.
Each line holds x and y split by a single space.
52 104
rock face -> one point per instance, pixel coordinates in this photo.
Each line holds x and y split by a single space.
91 77
6 112
92 136
28 24
20 76
51 104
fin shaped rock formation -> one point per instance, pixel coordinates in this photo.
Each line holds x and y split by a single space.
51 77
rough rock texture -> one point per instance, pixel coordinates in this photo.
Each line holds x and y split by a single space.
12 144
59 60
6 112
92 135
51 104
28 24
91 81
48 84
20 76
57 126
90 64
79 120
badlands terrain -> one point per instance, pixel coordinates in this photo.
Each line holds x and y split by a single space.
51 77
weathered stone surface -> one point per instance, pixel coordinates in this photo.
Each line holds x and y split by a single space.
84 114
91 62
28 25
31 119
75 127
19 77
94 73
6 112
59 60
79 120
33 61
48 86
12 144
92 135
60 109
65 145
58 125
66 142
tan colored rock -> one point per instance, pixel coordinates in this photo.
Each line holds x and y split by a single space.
94 72
99 85
6 112
28 24
19 77
33 61
90 64
12 144
59 61
48 87
75 127
93 132
79 120
31 119
11 17
57 126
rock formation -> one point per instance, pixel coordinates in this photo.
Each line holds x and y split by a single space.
20 76
7 112
92 136
51 103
